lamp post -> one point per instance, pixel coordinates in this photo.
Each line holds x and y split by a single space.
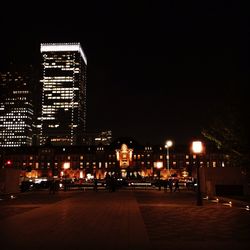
66 165
159 165
167 146
197 148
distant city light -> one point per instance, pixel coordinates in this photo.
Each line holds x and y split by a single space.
168 144
197 147
66 165
159 164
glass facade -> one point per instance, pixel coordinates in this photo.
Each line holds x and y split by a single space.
63 119
16 110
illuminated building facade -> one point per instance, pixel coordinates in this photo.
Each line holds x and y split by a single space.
16 109
98 138
63 118
126 160
123 157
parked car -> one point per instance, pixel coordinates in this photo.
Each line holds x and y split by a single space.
26 186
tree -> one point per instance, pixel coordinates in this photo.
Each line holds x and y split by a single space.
229 128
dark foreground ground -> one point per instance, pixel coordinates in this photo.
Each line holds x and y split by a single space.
125 219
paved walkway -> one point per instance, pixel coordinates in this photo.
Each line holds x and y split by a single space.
126 219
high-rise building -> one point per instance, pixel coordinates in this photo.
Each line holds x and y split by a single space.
16 108
98 138
63 119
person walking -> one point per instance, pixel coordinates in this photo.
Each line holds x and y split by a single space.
177 186
52 187
170 184
95 185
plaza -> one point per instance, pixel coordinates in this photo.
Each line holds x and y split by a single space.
124 219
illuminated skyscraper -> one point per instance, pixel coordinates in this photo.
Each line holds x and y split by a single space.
16 109
63 118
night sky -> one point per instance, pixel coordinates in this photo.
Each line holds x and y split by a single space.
155 68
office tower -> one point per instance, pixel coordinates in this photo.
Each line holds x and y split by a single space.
16 108
63 119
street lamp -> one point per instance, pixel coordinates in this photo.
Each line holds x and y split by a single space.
159 165
197 148
167 146
66 165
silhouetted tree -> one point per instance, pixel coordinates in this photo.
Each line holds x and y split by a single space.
229 127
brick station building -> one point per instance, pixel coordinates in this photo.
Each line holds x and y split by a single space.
124 157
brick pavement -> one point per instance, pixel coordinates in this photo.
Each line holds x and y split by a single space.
147 219
174 221
87 220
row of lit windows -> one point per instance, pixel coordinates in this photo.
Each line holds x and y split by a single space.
76 157
19 98
17 110
63 67
12 133
8 103
52 90
56 78
62 93
58 59
48 111
66 63
57 82
72 69
13 136
53 126
50 87
13 129
63 90
13 121
59 97
57 106
100 164
13 116
62 104
13 125
106 164
16 142
21 92
48 118
100 149
9 79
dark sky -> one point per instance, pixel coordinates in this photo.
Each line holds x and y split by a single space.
155 68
